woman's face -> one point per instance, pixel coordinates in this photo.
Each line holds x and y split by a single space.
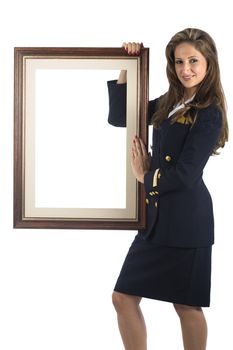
190 66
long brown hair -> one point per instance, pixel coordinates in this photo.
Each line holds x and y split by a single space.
209 92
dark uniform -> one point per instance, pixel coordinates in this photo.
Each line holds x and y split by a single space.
171 259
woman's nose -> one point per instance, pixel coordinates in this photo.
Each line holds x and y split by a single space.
186 67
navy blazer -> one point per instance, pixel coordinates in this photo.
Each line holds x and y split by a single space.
179 205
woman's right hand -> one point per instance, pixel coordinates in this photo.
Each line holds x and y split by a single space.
132 48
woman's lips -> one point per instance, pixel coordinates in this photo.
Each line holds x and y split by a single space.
187 77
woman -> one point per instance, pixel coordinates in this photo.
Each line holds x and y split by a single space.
171 259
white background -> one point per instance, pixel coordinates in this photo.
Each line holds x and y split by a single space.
55 286
74 153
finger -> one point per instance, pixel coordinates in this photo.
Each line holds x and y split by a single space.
132 157
143 148
134 148
129 48
139 46
124 45
134 48
139 146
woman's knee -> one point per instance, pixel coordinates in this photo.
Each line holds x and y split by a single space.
183 310
122 301
117 300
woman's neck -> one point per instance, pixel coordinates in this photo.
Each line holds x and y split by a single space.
189 93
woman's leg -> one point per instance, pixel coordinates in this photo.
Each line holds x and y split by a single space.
130 320
194 327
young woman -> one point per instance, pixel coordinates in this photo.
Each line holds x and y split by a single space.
171 259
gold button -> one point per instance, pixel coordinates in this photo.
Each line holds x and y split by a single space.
147 201
168 158
156 204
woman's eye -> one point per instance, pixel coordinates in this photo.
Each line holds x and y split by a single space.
193 60
178 61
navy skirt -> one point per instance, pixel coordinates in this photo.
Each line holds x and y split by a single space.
176 275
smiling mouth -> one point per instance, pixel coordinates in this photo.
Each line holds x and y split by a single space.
187 77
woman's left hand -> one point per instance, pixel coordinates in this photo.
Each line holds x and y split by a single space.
140 159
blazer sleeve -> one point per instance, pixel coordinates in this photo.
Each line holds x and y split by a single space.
117 104
197 149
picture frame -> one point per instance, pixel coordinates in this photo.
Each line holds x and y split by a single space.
71 167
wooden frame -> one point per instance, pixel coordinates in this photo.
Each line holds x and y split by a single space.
29 64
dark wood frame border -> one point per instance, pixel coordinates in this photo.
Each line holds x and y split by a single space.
19 221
